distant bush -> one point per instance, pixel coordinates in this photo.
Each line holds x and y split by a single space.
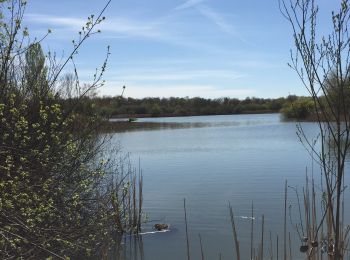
300 108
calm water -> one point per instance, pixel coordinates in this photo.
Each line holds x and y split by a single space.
211 161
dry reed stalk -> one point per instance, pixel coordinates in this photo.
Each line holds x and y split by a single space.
130 199
329 224
271 247
117 219
313 237
277 248
201 245
285 222
187 240
134 204
126 200
140 201
140 243
252 233
346 241
262 238
234 232
307 219
290 247
254 254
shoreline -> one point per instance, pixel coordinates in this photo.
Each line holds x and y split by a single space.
128 116
125 124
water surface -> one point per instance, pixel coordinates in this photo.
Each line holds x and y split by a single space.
211 161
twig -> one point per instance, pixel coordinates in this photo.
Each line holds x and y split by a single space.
200 243
187 240
234 232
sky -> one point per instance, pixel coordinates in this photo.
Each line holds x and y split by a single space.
182 48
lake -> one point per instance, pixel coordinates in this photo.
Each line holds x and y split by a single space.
211 161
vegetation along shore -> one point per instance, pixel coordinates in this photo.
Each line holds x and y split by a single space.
292 107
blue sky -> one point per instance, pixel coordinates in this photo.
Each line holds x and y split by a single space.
163 48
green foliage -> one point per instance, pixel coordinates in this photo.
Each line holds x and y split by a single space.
56 192
337 92
336 99
44 181
118 106
300 108
47 182
155 110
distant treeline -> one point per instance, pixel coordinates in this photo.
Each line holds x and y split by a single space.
115 107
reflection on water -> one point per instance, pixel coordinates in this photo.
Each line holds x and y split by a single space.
210 161
123 126
142 124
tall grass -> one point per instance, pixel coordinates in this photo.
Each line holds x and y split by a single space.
126 195
125 186
314 229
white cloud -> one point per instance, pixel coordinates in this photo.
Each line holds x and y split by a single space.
188 4
176 90
118 25
159 75
165 29
132 28
68 22
155 30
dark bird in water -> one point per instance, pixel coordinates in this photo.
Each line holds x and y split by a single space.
160 227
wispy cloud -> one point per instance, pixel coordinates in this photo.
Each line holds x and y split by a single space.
216 18
161 75
188 4
112 28
143 82
116 25
220 21
175 90
157 29
133 28
208 13
212 16
68 22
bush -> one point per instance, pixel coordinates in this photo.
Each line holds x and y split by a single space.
301 108
57 196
